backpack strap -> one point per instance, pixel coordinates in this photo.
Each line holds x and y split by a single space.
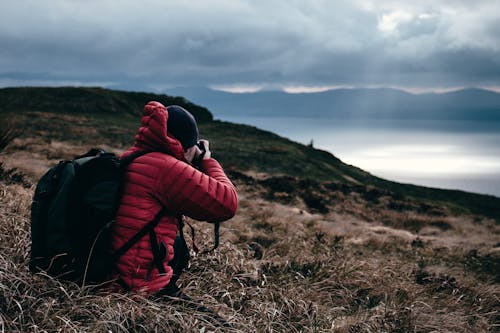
159 249
159 252
216 235
145 230
182 221
216 238
124 162
92 153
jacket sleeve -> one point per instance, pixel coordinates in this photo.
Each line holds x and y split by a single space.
206 196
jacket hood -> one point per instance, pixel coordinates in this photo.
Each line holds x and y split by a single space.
153 136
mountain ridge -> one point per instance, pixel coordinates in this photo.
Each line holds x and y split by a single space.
466 104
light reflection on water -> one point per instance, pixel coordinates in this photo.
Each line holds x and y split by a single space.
455 155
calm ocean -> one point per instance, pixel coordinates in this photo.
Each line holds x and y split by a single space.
452 155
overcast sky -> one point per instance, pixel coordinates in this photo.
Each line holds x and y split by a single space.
236 44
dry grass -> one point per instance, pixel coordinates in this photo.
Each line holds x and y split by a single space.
280 268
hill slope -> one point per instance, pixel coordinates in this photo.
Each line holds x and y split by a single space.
88 101
85 115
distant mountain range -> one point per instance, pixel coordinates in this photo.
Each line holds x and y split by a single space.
466 104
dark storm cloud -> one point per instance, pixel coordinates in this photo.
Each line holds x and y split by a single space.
224 42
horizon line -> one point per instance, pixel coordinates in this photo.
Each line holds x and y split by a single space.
244 89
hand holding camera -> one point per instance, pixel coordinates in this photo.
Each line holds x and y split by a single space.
202 152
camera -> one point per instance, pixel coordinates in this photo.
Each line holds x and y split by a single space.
197 161
201 146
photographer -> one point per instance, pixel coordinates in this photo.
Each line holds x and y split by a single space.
178 177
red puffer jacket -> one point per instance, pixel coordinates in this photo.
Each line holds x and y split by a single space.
163 179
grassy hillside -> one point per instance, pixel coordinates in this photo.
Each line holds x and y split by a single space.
249 148
84 115
88 101
316 245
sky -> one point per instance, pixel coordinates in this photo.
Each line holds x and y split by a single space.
239 45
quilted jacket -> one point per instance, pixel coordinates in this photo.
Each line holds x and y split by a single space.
163 179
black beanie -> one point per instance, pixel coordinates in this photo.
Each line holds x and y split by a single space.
182 125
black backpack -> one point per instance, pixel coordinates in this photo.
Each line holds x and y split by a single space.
72 212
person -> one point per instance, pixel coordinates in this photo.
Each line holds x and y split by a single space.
176 178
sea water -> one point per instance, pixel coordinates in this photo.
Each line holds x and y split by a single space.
460 155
